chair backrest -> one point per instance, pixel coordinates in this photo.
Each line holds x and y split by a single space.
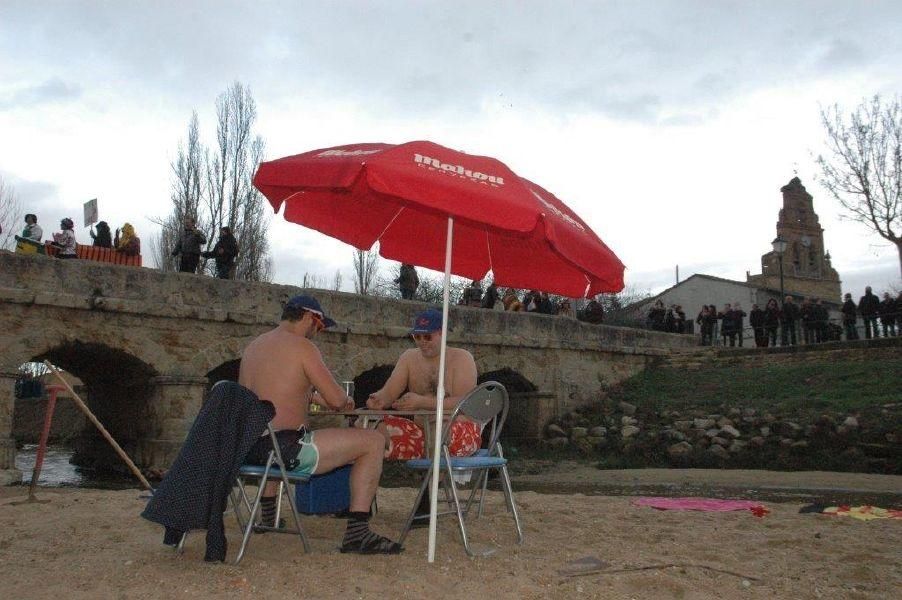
486 403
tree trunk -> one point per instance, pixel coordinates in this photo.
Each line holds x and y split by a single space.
899 248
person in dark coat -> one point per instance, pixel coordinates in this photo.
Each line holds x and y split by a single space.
888 316
850 318
789 316
655 318
225 252
103 238
194 492
727 325
408 281
821 321
679 319
546 306
738 323
756 320
592 313
490 297
772 317
868 307
806 316
705 321
187 248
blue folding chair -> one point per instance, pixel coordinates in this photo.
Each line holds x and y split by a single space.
275 468
487 404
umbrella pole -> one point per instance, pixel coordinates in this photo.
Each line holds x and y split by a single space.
440 396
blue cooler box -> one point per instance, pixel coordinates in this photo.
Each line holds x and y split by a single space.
326 493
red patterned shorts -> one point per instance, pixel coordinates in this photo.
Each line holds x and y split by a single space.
408 440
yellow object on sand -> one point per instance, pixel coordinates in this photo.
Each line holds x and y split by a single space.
863 513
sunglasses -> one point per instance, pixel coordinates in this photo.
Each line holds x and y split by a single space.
422 337
317 320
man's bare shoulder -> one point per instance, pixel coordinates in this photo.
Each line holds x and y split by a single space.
461 355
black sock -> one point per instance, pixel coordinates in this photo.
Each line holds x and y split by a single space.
358 528
268 511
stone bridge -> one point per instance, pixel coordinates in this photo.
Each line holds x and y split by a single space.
147 344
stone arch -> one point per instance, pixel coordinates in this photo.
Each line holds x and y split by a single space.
118 388
370 381
227 370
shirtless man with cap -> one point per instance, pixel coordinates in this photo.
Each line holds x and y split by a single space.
282 366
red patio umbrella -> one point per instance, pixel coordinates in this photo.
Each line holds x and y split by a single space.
418 197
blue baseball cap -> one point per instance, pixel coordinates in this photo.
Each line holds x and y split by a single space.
309 303
427 321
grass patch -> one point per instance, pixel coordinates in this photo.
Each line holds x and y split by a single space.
817 386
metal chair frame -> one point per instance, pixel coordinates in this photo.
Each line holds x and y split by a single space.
487 403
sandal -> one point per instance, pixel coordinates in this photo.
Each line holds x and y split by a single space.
373 543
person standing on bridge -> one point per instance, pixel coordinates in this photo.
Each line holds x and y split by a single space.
187 248
283 366
32 230
224 253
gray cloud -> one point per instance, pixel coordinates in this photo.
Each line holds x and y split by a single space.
50 90
658 62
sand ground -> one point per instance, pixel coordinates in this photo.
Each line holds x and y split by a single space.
93 544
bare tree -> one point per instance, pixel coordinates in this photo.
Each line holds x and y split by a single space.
11 214
366 269
232 200
337 280
432 288
863 166
215 188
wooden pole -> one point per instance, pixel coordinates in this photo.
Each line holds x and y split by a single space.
84 408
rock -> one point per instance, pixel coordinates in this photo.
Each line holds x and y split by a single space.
786 442
557 442
730 431
594 440
800 444
703 423
718 451
679 449
598 431
724 422
789 429
578 432
769 418
765 431
555 431
628 421
697 433
629 431
734 412
748 412
627 408
712 433
737 446
703 442
683 426
892 438
842 430
757 442
720 441
851 423
675 435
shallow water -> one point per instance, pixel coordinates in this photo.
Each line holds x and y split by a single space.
56 471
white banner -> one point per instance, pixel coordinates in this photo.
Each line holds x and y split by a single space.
90 212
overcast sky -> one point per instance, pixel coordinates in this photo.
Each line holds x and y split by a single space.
668 126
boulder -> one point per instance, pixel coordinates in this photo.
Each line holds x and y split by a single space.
627 408
683 426
757 442
730 431
628 421
712 433
850 423
629 431
598 431
555 431
679 449
578 432
765 431
737 446
718 451
724 422
703 423
557 442
748 412
720 441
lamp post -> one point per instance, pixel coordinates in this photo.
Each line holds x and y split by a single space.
779 245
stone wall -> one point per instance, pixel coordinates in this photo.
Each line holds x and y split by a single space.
135 335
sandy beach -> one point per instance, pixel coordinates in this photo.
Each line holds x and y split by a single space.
93 544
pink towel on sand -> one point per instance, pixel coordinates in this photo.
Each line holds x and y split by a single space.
702 504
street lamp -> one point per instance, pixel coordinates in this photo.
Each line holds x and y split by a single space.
779 245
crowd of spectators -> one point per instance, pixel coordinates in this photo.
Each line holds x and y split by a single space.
808 322
188 245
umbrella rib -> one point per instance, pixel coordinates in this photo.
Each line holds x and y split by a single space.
400 210
488 248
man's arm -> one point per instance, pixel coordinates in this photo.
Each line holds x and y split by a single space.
332 394
394 386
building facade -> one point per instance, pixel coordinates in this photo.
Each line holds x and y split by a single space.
806 263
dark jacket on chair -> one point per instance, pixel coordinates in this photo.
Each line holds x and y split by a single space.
194 493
